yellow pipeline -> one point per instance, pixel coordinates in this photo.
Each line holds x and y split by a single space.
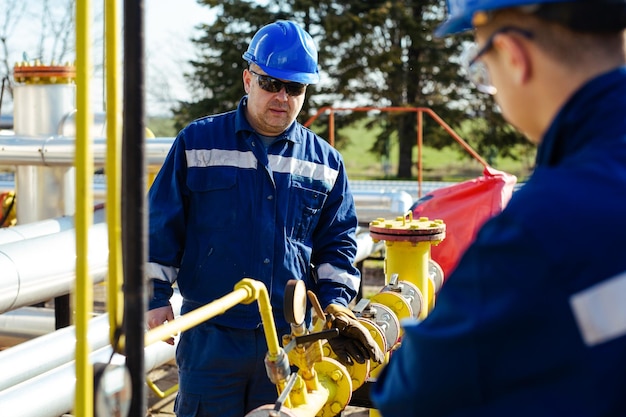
83 406
246 291
410 261
115 302
407 244
259 292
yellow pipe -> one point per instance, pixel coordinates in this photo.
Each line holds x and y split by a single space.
258 292
410 261
157 391
197 316
115 301
83 406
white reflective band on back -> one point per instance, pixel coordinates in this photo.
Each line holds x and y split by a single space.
220 157
289 165
600 310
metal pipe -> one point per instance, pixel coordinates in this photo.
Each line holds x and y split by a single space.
371 204
365 246
41 268
42 228
42 354
59 150
52 394
27 323
38 356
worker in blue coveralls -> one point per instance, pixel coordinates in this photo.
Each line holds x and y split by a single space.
532 322
251 193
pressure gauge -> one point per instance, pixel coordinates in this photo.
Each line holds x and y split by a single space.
295 302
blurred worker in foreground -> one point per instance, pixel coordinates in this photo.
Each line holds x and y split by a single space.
533 320
252 194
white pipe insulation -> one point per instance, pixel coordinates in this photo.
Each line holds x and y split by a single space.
42 227
60 150
27 323
52 394
42 354
41 268
43 368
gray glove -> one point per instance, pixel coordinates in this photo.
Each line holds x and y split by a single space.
354 341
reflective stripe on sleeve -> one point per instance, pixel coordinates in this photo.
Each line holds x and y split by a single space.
600 310
161 272
201 158
315 171
329 272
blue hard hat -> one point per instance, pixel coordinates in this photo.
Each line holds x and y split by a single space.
461 12
284 50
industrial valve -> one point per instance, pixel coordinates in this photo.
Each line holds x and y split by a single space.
323 386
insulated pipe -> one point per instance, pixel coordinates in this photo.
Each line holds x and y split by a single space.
52 394
38 356
42 354
27 323
59 150
371 204
41 268
42 228
365 246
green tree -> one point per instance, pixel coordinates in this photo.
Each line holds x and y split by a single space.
374 53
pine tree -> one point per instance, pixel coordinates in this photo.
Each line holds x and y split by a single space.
374 53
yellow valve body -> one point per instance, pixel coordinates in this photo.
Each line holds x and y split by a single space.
408 244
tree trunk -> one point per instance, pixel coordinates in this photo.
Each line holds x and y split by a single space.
406 140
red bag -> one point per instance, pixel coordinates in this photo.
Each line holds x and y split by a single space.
464 208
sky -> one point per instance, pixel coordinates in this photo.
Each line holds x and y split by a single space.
169 26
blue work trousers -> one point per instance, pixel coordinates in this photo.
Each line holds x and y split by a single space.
222 372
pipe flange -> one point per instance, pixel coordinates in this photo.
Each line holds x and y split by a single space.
408 229
386 320
410 292
396 302
436 275
379 337
335 377
44 74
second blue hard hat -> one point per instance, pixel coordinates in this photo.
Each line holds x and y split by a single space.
284 50
461 12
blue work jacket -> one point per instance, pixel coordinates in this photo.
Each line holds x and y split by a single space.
224 208
533 320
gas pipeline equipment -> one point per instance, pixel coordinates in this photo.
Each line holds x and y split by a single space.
323 386
310 380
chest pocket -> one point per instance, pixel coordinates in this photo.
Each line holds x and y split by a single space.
305 208
213 197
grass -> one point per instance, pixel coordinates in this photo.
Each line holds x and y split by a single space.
451 163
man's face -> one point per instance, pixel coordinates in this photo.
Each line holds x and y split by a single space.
269 113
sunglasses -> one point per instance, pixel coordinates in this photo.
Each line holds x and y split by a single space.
272 85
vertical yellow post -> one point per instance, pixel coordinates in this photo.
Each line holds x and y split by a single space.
115 304
84 211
